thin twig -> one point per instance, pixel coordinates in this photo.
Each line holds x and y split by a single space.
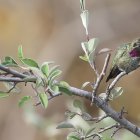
101 118
17 79
115 131
99 79
112 85
103 130
12 88
108 128
97 135
51 97
93 66
122 112
13 72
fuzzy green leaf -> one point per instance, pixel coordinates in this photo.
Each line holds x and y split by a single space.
23 100
43 99
85 48
86 116
102 96
39 82
29 62
85 84
82 5
64 88
64 125
10 85
90 131
78 104
92 44
3 95
104 50
85 58
53 75
73 137
9 61
85 19
115 93
37 72
70 114
20 52
45 68
53 70
55 88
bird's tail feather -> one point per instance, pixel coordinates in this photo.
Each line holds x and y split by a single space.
113 73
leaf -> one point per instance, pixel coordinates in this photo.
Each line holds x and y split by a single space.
45 68
64 84
37 72
82 5
85 58
39 82
30 62
86 116
115 93
92 44
90 131
70 114
23 100
64 88
89 48
92 57
53 71
78 104
53 75
3 95
73 136
43 99
104 50
55 88
85 19
64 125
107 138
92 48
85 48
102 96
20 52
85 84
9 61
10 85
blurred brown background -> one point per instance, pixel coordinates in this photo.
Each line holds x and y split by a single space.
52 30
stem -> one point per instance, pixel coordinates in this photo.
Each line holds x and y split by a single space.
13 72
108 110
82 93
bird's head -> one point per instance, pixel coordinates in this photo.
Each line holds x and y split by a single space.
136 43
135 52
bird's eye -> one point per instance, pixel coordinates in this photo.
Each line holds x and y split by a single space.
135 44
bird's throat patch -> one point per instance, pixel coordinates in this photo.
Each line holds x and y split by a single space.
135 52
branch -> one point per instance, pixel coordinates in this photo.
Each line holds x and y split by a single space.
111 86
100 77
11 71
107 109
82 93
105 129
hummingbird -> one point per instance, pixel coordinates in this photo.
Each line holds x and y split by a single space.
126 58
